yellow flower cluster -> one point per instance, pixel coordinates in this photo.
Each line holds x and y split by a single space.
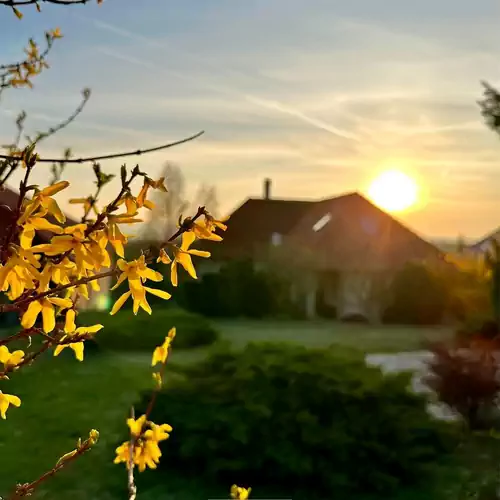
239 493
144 442
21 74
44 281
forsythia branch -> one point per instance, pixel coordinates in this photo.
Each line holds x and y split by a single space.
112 155
53 130
15 306
185 226
23 490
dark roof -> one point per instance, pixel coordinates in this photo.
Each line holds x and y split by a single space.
484 243
252 224
358 235
354 234
8 204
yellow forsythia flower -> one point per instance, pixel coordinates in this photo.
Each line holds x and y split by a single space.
182 255
78 347
114 234
146 452
5 401
56 33
93 437
148 183
160 354
32 223
19 273
10 359
239 493
45 204
136 425
137 272
163 257
46 307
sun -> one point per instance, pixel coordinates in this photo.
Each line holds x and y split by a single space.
393 191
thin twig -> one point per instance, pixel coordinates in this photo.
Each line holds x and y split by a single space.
19 335
112 155
23 490
157 389
28 359
132 488
63 124
188 224
13 3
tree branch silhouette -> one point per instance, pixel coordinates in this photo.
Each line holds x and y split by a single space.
14 3
137 152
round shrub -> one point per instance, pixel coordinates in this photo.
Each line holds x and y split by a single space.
305 423
417 297
237 290
142 332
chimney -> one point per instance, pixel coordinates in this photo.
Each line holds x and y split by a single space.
267 189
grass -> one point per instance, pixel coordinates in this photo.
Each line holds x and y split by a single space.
64 399
370 339
61 401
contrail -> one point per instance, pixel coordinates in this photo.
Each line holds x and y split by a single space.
256 100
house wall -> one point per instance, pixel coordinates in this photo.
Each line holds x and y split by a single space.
357 293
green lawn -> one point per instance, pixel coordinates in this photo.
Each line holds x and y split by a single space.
381 339
64 399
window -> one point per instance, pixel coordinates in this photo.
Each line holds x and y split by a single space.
322 222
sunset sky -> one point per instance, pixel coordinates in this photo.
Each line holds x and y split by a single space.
319 95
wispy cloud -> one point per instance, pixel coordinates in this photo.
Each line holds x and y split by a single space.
273 104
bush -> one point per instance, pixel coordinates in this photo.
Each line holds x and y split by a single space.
237 290
311 423
465 376
143 332
417 297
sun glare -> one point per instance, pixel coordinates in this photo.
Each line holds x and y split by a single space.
393 191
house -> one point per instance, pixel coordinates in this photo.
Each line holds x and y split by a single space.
8 204
340 251
484 244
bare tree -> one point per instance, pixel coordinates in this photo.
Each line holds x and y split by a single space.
170 206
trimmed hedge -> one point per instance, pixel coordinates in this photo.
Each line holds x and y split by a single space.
312 424
143 332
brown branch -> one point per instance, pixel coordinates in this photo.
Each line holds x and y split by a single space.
83 281
14 3
53 130
28 359
112 155
19 335
157 389
113 205
185 226
24 490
